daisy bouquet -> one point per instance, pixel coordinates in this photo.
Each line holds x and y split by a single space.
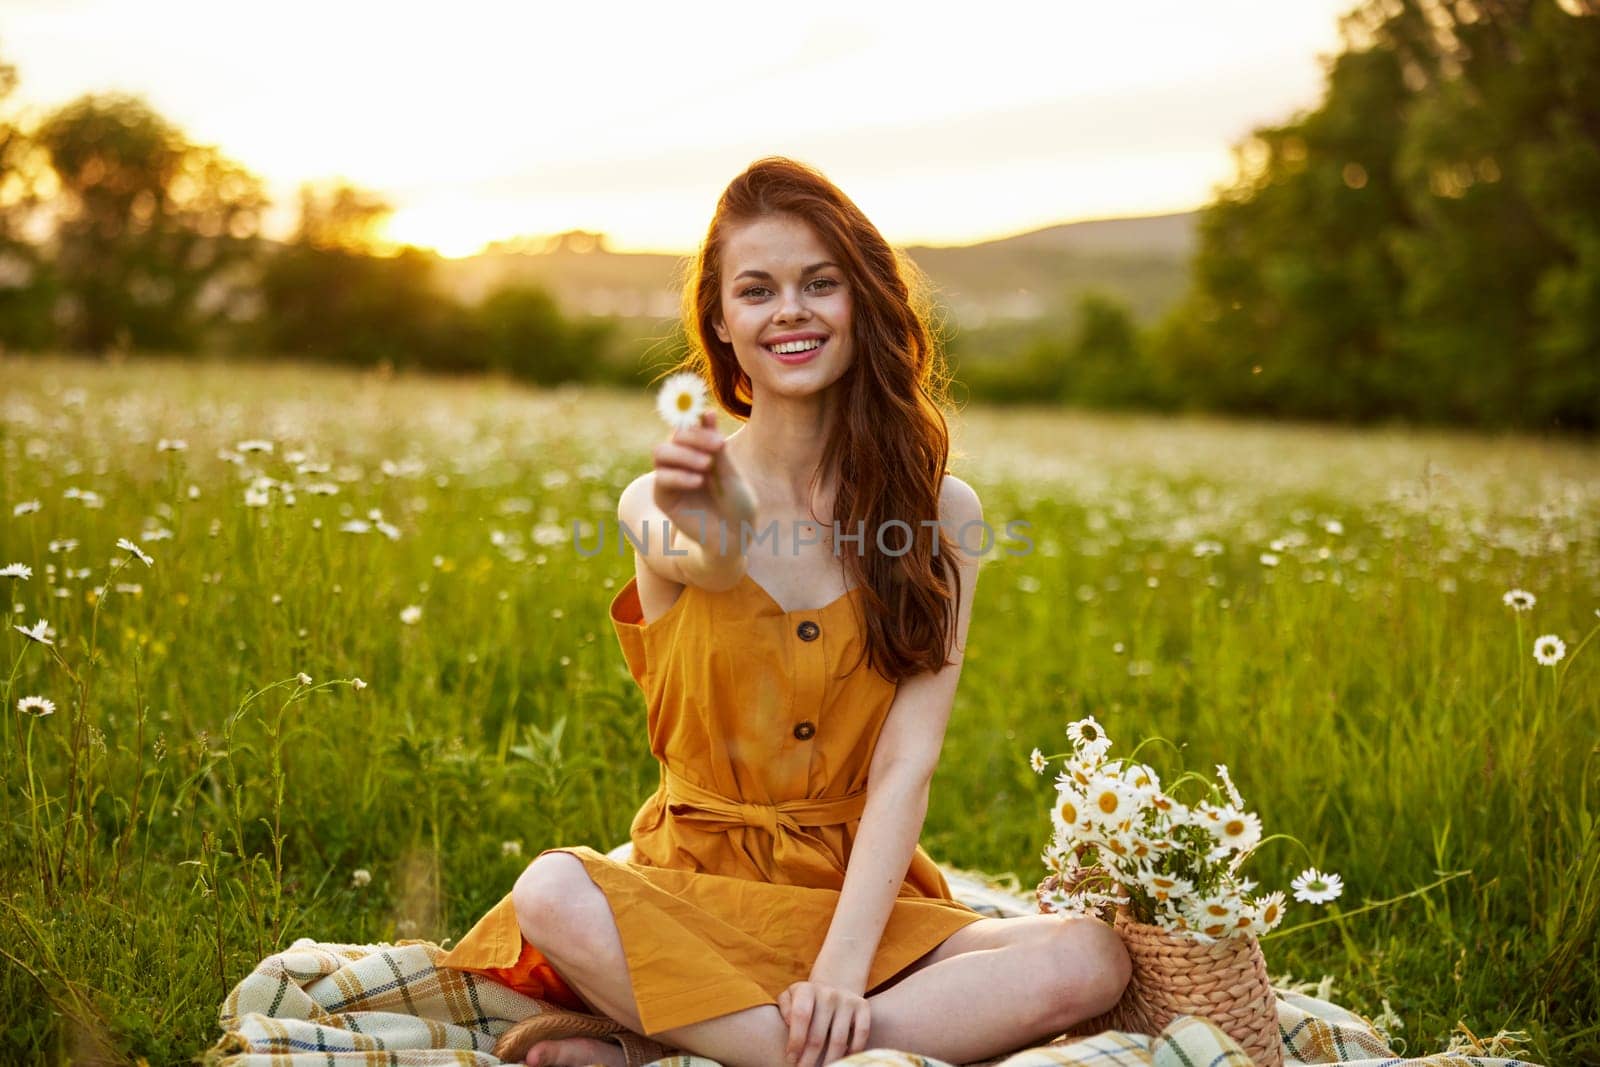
1123 842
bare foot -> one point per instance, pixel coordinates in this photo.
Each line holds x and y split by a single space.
576 1052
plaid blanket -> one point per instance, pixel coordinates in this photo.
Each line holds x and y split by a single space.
328 1004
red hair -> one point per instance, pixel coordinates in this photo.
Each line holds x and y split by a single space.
892 443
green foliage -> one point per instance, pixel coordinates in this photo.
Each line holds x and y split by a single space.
192 805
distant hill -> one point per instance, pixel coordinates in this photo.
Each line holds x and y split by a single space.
1028 276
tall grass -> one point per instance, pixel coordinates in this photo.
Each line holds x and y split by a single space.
194 804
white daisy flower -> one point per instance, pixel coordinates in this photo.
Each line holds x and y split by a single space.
303 678
511 848
1069 813
1203 549
40 632
357 683
1228 786
1268 913
1549 650
176 444
23 572
1269 559
1036 760
360 878
254 446
1087 733
1334 526
356 526
24 508
1143 778
40 706
128 546
1215 916
411 615
1519 600
1314 887
1238 830
64 545
1164 886
682 400
1110 802
255 497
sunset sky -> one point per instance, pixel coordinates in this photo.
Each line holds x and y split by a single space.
946 123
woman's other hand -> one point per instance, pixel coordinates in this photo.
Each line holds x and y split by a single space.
823 1020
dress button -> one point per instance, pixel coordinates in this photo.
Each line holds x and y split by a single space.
803 730
808 630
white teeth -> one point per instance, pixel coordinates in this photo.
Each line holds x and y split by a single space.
796 346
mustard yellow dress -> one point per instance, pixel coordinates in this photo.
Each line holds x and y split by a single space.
764 725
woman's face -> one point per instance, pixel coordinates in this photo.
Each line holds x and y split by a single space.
781 287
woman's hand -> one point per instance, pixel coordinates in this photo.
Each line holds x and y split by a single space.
697 486
825 1019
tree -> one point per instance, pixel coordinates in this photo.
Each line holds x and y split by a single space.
156 238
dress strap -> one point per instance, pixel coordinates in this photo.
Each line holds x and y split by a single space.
690 801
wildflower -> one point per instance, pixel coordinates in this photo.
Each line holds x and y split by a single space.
128 546
255 497
254 446
1314 887
1069 810
25 508
357 683
303 678
360 878
1164 886
64 545
1228 786
176 444
19 571
411 615
1239 830
1334 526
1142 778
1269 559
1111 802
38 633
1519 600
511 848
1549 650
1059 900
1203 549
1086 733
682 400
1036 761
1268 913
1215 916
356 526
39 706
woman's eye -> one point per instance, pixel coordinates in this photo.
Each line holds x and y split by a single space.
752 289
830 281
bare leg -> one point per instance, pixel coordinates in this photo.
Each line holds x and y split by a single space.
994 985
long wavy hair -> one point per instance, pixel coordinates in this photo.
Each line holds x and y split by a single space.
892 444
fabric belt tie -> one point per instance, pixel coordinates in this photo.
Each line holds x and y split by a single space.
687 800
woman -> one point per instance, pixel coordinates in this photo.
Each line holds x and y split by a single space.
799 647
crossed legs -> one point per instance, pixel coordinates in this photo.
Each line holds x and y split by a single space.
992 986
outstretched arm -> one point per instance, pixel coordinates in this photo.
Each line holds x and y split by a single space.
902 767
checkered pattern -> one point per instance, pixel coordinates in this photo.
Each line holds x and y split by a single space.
327 1005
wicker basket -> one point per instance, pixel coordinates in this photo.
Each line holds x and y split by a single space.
1224 981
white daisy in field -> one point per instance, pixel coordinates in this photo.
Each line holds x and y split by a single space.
1110 802
22 572
682 400
355 526
1215 916
1269 559
128 546
360 878
254 446
176 444
1086 733
1036 760
1549 650
303 678
64 545
511 848
1228 786
1068 814
255 497
1519 600
1203 549
1164 886
1314 887
39 706
1334 526
40 632
411 615
1268 913
24 508
1238 830
1142 778
357 683
130 588
1058 900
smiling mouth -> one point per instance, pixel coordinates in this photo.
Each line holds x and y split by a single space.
796 348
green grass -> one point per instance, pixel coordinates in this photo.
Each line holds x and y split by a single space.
190 807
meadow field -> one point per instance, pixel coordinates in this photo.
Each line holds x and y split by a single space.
1321 609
